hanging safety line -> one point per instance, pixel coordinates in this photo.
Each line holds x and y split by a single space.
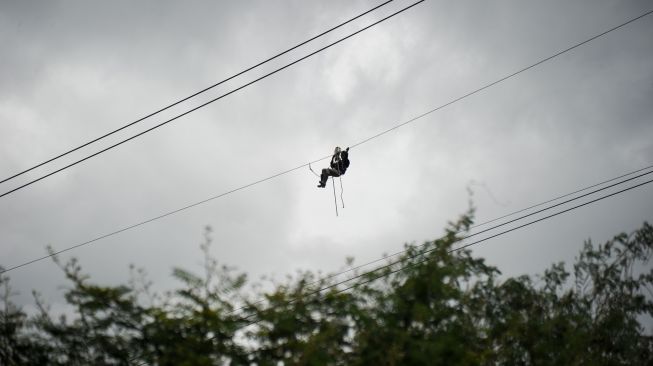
342 190
335 200
333 181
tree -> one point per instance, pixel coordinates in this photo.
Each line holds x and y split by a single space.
19 345
433 304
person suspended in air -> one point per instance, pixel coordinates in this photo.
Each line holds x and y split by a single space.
337 167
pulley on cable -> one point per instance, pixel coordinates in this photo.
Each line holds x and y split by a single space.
337 168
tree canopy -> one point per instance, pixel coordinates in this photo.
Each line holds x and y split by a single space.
433 304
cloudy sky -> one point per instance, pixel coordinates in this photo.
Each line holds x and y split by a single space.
73 70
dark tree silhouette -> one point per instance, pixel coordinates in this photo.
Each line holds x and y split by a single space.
434 305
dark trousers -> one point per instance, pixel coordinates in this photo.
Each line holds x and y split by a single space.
326 173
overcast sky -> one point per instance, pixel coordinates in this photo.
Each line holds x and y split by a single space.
73 70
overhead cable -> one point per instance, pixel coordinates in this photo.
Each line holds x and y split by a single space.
305 164
491 228
518 211
349 270
195 94
502 79
389 265
207 103
322 289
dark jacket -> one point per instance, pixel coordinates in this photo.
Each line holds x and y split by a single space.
340 161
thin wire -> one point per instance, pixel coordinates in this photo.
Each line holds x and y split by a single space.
335 200
477 233
508 215
484 239
467 237
286 171
470 244
342 190
161 216
502 79
563 196
209 102
194 94
427 259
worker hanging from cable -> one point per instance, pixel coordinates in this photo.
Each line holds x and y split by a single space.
338 166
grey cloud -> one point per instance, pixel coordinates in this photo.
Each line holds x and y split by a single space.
73 70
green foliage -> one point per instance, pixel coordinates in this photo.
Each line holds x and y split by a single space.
434 304
18 344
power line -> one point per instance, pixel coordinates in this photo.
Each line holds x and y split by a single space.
209 102
469 244
305 164
478 241
486 222
514 213
161 216
389 265
563 196
328 277
503 79
195 94
499 225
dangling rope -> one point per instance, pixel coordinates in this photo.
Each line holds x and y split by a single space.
342 190
333 181
335 201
